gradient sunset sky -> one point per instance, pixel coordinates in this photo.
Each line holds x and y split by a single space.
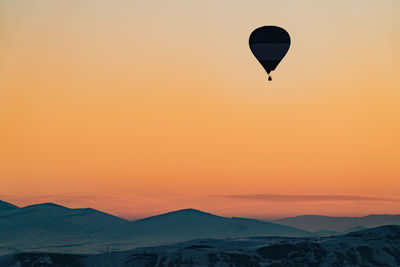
142 107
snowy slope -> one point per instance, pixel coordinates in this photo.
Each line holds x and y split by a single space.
372 247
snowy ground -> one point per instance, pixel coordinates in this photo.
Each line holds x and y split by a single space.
373 247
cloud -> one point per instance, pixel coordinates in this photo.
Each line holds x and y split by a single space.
306 198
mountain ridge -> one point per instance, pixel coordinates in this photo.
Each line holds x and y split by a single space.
7 206
314 223
186 211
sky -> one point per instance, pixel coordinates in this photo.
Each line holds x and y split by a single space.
143 107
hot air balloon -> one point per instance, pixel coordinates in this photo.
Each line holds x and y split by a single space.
269 45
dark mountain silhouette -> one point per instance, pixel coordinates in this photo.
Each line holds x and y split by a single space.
314 223
49 218
7 206
327 233
56 227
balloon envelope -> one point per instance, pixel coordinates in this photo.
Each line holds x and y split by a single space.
269 45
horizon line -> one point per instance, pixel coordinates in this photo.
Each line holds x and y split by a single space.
266 218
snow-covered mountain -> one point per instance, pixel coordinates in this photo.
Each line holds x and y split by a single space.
314 223
372 247
54 228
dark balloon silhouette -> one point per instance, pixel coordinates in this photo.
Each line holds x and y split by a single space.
269 45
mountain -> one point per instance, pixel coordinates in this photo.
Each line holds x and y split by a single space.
327 233
7 206
53 228
314 223
49 218
372 247
354 229
189 224
57 228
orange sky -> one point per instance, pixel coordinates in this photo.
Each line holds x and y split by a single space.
141 107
